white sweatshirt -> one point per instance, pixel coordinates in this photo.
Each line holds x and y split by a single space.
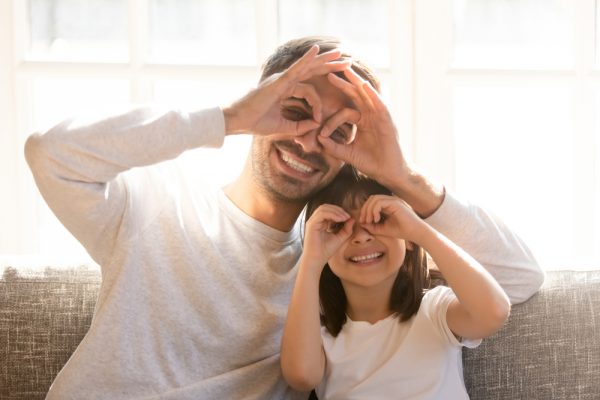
194 292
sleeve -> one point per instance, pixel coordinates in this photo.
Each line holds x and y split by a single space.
79 168
491 243
435 307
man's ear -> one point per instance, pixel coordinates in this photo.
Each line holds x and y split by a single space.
409 245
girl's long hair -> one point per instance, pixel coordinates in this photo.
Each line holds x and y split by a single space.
349 190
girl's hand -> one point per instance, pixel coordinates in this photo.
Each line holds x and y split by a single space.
391 216
375 149
325 231
259 112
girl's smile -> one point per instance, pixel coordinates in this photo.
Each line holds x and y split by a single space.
369 258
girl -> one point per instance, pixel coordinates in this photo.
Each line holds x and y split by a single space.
386 332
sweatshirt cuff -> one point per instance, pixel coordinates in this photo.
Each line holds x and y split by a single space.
207 128
451 216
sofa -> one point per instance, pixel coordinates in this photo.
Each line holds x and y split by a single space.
548 349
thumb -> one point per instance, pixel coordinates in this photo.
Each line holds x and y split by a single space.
377 229
306 125
347 229
340 151
297 127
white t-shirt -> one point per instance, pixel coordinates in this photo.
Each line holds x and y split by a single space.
416 359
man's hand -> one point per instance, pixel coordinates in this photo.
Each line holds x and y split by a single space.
259 112
375 150
325 231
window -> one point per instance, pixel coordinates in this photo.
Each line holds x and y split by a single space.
509 87
496 99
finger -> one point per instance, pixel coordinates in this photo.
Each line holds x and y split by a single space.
347 229
335 208
301 127
309 93
364 209
375 229
335 222
332 213
372 209
376 211
324 221
311 61
374 96
336 216
331 55
386 205
342 152
347 88
345 115
358 82
298 67
332 66
324 63
297 128
370 216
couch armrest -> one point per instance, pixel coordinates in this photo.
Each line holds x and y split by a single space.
548 349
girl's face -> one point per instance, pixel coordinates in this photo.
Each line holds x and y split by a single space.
368 261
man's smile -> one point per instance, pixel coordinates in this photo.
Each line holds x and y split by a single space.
305 164
295 164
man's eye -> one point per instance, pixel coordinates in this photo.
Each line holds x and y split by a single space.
382 218
339 136
294 114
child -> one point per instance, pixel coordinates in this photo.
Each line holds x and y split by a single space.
386 333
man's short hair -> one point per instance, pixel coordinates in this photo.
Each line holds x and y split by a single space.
286 54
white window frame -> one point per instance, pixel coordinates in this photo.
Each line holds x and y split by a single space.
9 199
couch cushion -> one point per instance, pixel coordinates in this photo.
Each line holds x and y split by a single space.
44 314
549 348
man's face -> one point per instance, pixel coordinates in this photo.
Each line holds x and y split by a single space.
293 168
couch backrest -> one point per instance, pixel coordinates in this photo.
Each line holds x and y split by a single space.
549 348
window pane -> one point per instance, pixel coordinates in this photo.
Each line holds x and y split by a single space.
344 19
214 167
78 30
514 154
211 91
55 99
210 32
597 27
513 34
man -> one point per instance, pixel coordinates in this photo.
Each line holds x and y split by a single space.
196 284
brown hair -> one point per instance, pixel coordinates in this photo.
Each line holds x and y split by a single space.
286 54
349 190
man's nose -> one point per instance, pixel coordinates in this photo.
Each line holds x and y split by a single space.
309 142
360 235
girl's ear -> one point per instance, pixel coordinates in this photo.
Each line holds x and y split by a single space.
409 245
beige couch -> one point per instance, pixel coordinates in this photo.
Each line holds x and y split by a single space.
549 349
